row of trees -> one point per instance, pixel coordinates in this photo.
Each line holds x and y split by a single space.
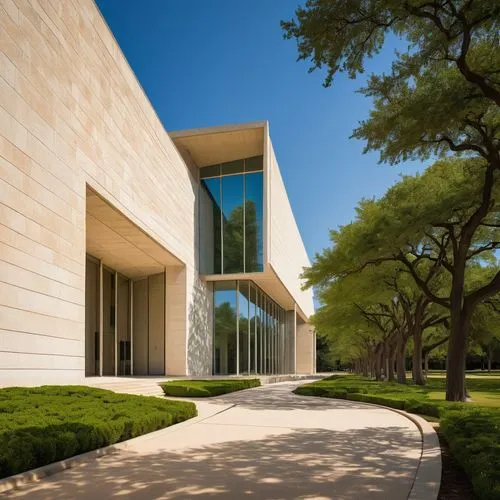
393 274
426 252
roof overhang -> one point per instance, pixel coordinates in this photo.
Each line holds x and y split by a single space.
214 145
269 282
119 243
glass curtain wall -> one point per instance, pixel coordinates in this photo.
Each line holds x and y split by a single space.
225 327
231 217
249 330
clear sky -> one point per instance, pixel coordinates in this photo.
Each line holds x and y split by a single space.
217 62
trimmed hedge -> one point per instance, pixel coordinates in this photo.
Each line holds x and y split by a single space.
207 388
474 439
472 432
41 425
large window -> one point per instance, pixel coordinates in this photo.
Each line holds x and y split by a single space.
225 327
249 330
231 217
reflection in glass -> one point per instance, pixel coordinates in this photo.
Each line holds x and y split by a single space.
108 323
253 329
233 219
254 204
225 315
243 325
249 331
210 226
123 333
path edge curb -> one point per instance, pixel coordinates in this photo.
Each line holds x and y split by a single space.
427 479
33 475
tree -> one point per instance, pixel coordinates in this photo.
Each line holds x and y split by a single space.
485 328
442 96
420 224
241 225
461 34
326 359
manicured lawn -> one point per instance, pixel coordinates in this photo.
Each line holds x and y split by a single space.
484 391
471 429
206 388
41 425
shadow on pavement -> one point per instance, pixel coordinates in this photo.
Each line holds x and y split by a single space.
281 397
304 463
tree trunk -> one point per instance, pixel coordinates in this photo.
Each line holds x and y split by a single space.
400 361
387 360
364 367
378 364
489 358
417 373
373 363
357 366
392 360
426 364
457 352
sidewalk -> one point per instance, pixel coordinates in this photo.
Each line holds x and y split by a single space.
260 443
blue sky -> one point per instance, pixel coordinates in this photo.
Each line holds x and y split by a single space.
217 62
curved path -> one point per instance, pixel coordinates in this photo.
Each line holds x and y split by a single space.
264 443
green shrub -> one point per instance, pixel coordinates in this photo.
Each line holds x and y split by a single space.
473 432
377 400
41 425
206 388
474 439
422 408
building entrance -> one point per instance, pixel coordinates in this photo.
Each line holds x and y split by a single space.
124 322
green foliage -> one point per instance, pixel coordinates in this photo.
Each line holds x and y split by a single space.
41 425
442 94
472 431
441 97
341 34
206 388
405 236
399 223
474 439
413 398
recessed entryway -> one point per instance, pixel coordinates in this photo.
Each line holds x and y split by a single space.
125 294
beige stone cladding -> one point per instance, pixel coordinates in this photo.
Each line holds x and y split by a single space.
72 114
284 246
306 349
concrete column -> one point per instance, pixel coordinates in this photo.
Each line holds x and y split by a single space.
291 331
305 348
177 326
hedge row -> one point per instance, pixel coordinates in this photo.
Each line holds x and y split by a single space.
45 424
474 439
206 388
433 409
472 433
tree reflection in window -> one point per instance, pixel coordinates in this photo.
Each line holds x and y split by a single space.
231 222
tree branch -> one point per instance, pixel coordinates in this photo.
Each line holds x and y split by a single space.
483 293
422 284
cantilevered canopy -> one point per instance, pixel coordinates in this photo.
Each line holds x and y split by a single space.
269 282
120 244
214 145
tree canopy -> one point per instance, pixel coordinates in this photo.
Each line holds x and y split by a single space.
441 99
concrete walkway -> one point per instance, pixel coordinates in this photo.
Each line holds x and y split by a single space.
263 443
